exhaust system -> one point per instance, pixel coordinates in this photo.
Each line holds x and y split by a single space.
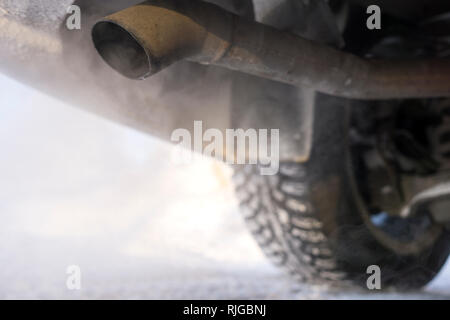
144 39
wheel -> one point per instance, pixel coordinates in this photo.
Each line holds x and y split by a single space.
311 218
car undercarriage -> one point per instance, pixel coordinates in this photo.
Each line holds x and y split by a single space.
363 113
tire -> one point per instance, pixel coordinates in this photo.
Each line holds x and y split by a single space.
310 219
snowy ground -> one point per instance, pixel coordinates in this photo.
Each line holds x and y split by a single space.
78 190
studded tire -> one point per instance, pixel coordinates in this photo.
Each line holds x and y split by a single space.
309 218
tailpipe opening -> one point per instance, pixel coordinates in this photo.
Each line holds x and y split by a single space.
144 39
121 50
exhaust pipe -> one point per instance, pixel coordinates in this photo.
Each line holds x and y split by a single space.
144 39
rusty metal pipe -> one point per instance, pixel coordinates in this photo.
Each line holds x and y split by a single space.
144 39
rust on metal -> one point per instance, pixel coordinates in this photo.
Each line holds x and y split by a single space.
144 39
